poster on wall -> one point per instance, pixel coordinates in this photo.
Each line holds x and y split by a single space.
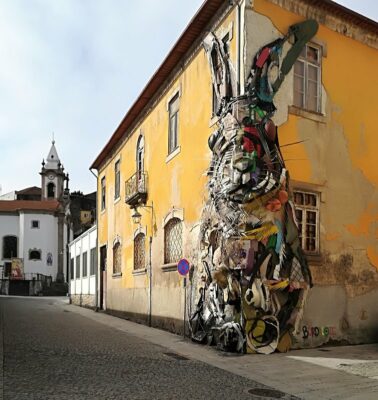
17 268
49 259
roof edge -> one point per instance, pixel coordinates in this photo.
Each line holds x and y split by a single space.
182 45
199 21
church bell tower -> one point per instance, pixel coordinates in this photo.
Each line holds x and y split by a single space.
53 177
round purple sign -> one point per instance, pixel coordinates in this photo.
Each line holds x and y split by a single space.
183 267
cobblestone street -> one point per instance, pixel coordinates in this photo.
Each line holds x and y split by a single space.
50 352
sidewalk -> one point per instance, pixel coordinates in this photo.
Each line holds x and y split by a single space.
345 372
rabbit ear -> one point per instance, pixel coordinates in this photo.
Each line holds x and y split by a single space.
303 32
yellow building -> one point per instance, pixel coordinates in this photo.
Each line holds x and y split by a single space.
154 166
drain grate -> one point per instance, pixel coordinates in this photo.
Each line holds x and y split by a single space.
324 350
176 356
270 393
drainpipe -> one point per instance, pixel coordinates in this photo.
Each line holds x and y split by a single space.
240 43
96 274
150 283
68 255
150 267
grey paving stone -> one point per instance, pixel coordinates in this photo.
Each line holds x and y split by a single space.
52 354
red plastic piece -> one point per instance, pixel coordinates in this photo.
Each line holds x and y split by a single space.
263 57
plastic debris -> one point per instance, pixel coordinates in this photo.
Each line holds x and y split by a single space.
252 277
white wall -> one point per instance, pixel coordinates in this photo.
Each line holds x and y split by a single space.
44 238
84 243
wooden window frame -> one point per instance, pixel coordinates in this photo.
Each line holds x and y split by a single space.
305 209
173 116
117 269
139 259
168 256
306 63
117 179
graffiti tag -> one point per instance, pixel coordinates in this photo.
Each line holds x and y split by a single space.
315 331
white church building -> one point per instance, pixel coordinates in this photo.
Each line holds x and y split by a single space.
34 233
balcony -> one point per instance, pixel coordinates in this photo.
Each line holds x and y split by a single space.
136 189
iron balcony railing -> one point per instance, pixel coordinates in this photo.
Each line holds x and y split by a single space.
29 276
136 188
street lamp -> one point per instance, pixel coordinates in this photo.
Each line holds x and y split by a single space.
136 216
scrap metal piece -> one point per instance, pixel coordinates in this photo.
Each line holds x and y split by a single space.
252 271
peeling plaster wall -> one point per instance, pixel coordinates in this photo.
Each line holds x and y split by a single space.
173 182
337 159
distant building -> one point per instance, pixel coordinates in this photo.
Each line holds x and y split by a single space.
83 211
83 268
9 196
30 193
35 227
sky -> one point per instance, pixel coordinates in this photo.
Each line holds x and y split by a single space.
72 68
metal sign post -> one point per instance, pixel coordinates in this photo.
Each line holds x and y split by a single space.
184 306
183 267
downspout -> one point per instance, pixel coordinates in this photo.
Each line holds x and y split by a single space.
238 46
150 285
96 274
68 255
150 268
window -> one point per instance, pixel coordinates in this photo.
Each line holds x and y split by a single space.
10 246
103 193
140 156
35 224
72 267
35 254
307 214
173 109
93 261
117 180
172 241
85 264
77 266
51 190
117 258
139 251
307 79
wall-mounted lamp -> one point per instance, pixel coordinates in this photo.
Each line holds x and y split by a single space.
136 216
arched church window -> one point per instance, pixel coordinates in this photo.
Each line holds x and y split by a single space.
117 258
35 254
10 246
50 190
